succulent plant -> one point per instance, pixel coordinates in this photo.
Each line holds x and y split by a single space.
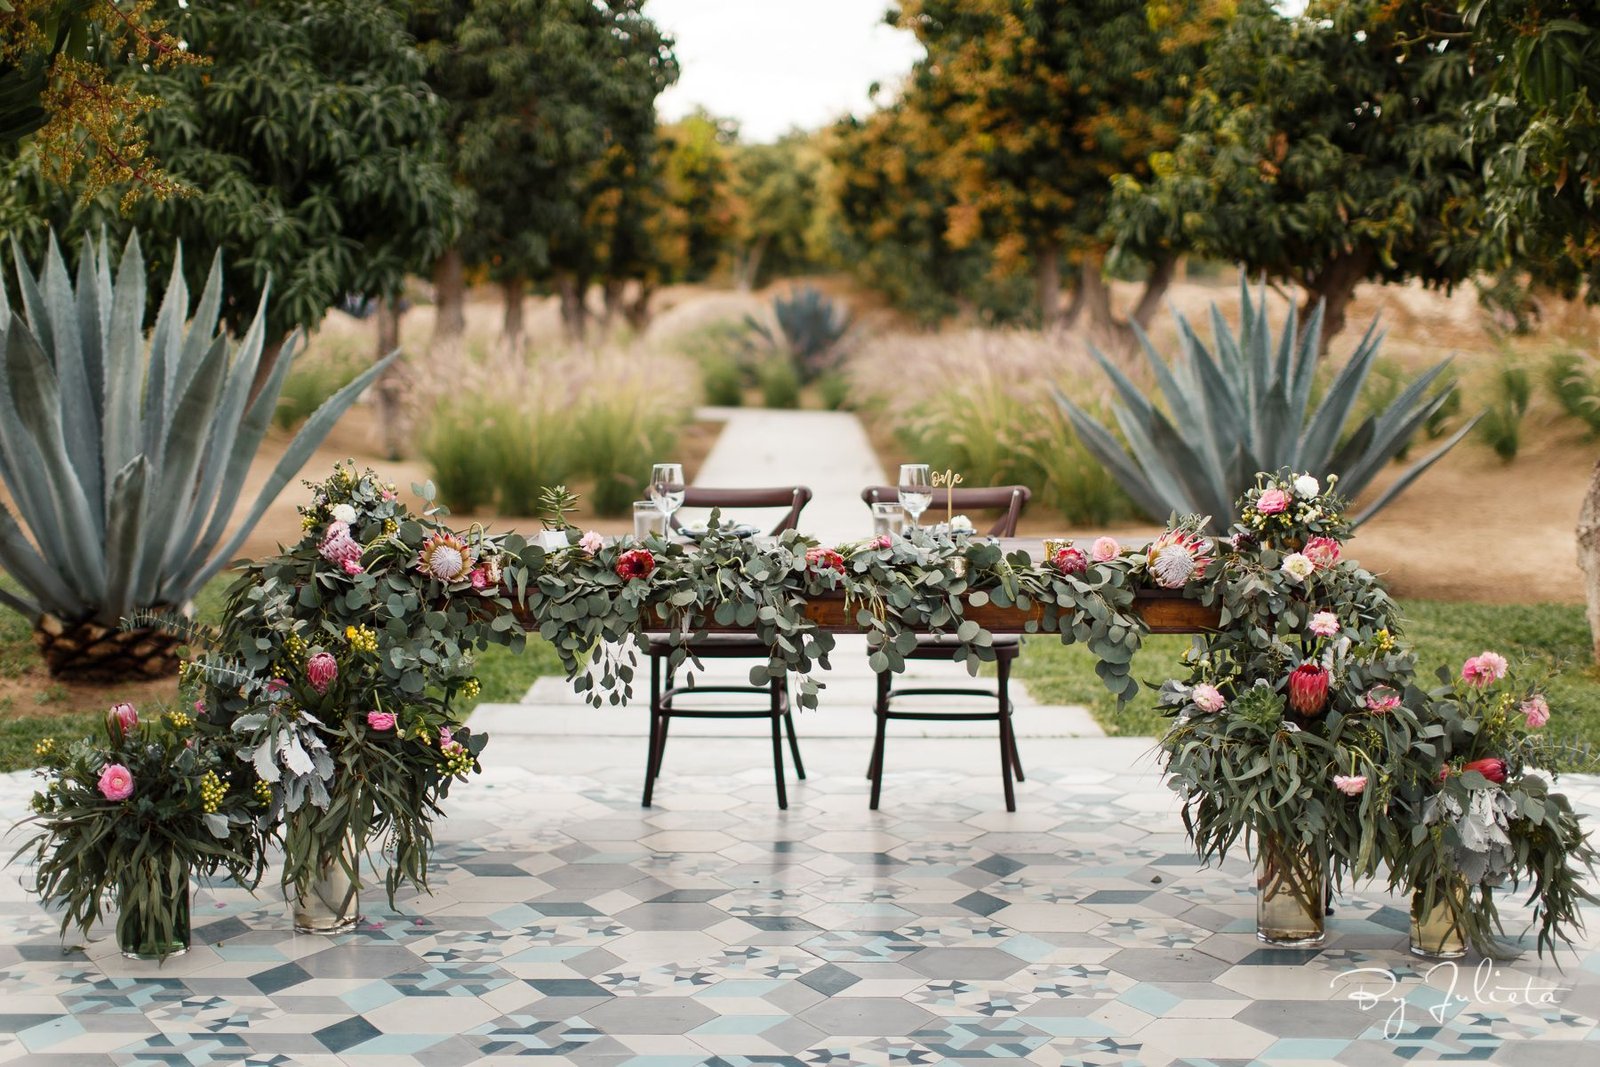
125 455
810 329
1243 405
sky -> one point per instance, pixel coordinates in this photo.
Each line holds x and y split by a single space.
774 64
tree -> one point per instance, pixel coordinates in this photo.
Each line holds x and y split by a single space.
777 196
698 173
313 142
1325 151
58 98
1047 101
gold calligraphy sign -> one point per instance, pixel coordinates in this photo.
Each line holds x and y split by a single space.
949 479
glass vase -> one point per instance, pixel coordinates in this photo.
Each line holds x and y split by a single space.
1291 894
1437 931
331 902
153 915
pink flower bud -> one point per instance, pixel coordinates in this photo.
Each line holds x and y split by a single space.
1308 688
1536 711
121 720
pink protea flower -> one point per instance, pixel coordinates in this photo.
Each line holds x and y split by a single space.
1272 502
445 558
635 563
592 542
380 720
321 670
1308 688
1323 552
116 782
1208 698
1178 557
1351 785
121 719
1381 699
339 547
1070 560
1105 549
1324 624
1493 769
1484 669
1536 711
824 559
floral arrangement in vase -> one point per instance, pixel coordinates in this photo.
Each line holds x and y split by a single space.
130 817
1288 729
336 678
1489 820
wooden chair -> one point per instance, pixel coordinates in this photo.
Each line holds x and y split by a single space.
1009 500
664 701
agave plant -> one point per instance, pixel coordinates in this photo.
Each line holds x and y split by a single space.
1244 405
125 455
810 329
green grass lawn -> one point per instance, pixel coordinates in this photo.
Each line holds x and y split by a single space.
1550 640
36 707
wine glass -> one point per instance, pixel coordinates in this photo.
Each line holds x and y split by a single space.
666 488
915 492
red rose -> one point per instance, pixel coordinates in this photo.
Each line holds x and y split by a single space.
824 559
1070 560
636 563
1308 688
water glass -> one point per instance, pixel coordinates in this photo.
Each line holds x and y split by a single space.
648 518
887 518
916 492
667 487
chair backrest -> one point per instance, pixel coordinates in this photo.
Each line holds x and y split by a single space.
1008 499
793 497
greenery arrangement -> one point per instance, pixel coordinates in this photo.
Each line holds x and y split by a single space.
1298 726
1243 405
335 669
1488 819
131 816
126 468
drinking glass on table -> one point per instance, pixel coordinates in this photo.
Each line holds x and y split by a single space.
648 520
887 518
915 491
666 488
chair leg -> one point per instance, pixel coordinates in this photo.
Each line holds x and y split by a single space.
1003 671
777 751
1008 742
794 742
655 731
879 706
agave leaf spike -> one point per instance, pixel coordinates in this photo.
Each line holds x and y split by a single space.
1308 350
32 299
127 532
1415 471
125 356
1334 411
1105 448
22 561
1396 424
158 379
80 429
94 312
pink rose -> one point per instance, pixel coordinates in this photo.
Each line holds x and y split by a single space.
479 578
1104 549
121 719
592 542
116 782
1323 552
1208 698
1484 669
1324 624
380 720
1536 711
1273 502
1350 785
1381 699
321 670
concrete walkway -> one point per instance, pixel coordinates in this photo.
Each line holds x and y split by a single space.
828 451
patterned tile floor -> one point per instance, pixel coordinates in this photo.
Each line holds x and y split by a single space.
568 925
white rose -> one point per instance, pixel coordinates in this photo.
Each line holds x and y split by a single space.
960 522
1307 486
1297 566
344 513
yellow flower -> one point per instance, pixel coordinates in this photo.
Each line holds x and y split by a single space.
308 522
263 791
471 689
390 527
44 746
362 638
1384 640
212 792
179 718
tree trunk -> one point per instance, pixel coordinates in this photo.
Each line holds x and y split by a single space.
1074 308
574 310
747 265
1336 284
637 310
1115 336
1047 285
1162 273
611 303
1589 555
513 331
390 389
449 305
